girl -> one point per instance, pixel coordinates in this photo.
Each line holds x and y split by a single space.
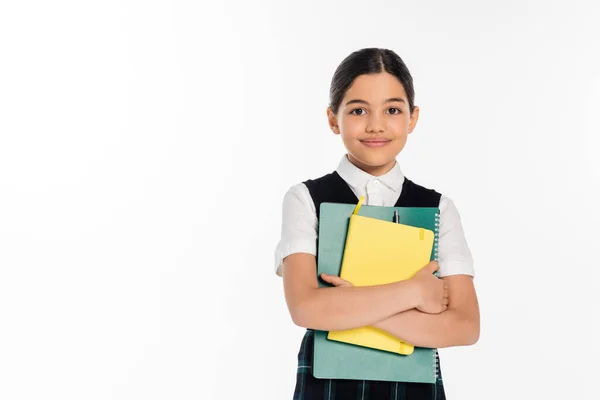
372 109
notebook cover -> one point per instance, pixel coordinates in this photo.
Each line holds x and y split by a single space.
379 252
338 360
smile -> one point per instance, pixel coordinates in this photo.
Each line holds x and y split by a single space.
375 142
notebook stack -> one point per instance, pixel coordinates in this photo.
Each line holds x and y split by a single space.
367 246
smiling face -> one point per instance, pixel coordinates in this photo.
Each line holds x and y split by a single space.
374 120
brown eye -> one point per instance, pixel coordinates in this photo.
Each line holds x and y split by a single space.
396 111
357 109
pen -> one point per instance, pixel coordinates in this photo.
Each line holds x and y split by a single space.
396 217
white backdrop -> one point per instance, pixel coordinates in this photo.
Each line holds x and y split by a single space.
145 147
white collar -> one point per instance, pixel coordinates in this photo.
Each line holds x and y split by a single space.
356 177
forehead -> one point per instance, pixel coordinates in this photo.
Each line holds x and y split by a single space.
375 88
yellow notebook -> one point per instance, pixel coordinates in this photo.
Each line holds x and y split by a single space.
379 252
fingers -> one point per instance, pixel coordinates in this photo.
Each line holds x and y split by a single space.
446 300
445 303
433 266
335 280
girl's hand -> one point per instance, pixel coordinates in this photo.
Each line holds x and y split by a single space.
335 280
433 292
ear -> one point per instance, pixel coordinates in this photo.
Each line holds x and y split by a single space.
333 122
414 117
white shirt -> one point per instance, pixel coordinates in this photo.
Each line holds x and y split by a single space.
300 225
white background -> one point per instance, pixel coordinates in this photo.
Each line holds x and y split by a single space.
145 147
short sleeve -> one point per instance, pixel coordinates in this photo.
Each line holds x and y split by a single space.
299 225
454 255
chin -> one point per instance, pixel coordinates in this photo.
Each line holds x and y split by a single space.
374 160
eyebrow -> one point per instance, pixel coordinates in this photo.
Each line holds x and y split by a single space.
393 99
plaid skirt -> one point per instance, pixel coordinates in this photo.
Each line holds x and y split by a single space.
310 388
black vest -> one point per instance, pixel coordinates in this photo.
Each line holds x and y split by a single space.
331 188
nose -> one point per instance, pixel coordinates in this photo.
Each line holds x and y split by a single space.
375 124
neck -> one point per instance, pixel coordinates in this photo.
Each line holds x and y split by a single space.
375 170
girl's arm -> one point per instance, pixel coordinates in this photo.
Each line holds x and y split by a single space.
458 326
346 307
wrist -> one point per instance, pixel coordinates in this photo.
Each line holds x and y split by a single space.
410 290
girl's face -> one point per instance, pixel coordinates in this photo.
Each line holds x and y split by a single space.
374 121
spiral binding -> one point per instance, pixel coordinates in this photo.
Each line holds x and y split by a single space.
436 236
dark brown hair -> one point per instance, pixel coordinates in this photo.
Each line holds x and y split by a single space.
369 61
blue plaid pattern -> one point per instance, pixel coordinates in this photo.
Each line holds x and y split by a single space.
310 388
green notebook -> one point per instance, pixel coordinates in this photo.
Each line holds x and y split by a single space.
338 360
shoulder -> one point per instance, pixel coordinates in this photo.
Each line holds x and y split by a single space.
307 190
450 219
420 195
312 190
446 203
420 188
322 182
297 198
297 189
448 207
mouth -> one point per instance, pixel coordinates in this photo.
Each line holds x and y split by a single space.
375 142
